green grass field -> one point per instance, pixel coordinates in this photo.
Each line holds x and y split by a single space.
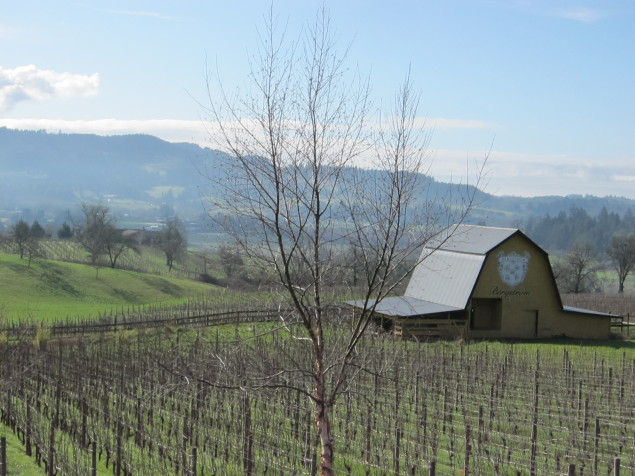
19 464
56 290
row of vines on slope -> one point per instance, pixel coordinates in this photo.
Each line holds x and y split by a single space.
199 403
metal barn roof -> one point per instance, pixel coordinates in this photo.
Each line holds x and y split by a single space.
470 239
445 277
450 265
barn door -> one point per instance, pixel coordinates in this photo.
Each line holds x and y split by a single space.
528 323
486 314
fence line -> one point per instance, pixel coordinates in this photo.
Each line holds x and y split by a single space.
114 325
175 316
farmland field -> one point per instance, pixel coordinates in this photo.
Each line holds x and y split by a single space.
193 402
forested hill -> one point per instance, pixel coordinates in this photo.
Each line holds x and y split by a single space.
133 172
510 210
559 232
138 175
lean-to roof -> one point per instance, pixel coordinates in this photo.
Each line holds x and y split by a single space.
403 306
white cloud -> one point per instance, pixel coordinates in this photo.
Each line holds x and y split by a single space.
531 175
29 83
584 15
171 130
444 124
438 123
174 130
624 178
559 9
528 175
140 13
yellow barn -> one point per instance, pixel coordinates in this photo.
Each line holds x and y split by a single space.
486 282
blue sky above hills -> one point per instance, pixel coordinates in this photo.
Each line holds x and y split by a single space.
547 84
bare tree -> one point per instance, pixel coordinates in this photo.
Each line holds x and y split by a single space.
294 202
173 241
92 232
621 251
576 273
230 260
116 243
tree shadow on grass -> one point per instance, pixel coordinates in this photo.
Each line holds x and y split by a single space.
53 277
125 295
163 285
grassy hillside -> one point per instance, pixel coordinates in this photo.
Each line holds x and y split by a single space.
150 260
53 289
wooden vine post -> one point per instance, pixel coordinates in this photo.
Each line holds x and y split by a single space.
534 422
3 457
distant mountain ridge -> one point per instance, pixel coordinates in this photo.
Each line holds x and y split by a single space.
141 173
38 169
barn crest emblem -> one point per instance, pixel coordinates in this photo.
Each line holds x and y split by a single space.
513 267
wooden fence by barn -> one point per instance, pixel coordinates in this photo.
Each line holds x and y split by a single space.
228 308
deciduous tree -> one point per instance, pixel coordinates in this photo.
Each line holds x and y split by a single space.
116 243
27 239
21 235
230 260
92 232
576 273
621 251
173 241
295 199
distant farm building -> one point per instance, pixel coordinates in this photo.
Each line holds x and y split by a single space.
486 282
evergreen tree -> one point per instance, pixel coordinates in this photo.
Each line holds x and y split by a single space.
37 231
64 232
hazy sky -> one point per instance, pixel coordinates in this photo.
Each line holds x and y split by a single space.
549 85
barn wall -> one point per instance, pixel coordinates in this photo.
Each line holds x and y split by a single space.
582 326
530 307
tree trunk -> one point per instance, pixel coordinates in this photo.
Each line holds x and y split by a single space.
323 421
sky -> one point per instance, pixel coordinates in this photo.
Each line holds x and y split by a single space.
545 89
